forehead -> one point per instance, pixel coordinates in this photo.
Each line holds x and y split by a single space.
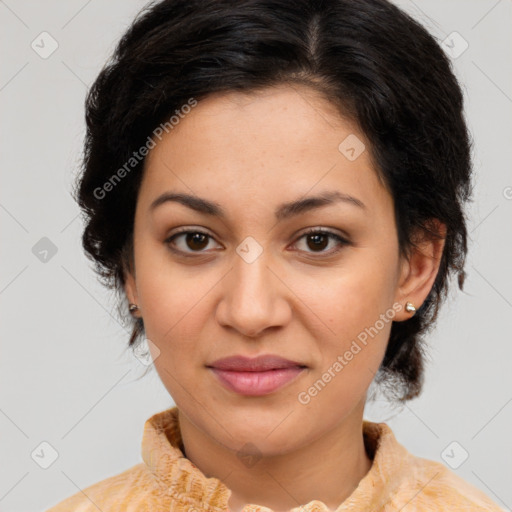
260 147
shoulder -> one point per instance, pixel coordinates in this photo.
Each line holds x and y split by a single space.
133 489
400 480
432 486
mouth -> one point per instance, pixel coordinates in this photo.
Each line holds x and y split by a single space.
256 376
254 364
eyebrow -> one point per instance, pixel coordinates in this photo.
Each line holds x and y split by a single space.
283 211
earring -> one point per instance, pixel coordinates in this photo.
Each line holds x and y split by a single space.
409 306
133 307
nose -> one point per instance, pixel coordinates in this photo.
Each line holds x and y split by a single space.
254 298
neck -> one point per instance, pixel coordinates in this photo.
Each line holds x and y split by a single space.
328 468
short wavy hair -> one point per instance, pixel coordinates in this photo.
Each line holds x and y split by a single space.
376 65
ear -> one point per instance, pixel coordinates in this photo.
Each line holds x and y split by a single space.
130 289
419 269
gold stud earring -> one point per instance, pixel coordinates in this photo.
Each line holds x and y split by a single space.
409 306
133 307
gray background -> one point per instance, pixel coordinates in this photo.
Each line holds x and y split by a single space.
65 375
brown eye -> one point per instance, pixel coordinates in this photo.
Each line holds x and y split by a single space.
189 241
317 240
196 241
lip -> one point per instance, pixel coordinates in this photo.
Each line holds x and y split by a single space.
256 376
254 364
257 383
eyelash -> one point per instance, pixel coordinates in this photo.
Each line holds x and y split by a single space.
317 231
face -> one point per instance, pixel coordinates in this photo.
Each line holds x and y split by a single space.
253 281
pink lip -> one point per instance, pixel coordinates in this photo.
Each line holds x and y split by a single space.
255 376
257 383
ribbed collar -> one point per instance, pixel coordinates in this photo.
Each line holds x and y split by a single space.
163 454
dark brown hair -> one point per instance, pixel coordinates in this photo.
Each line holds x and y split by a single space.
376 65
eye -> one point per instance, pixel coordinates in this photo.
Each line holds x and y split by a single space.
318 239
195 240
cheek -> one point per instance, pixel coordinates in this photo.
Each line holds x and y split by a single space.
349 298
355 305
174 321
169 293
175 324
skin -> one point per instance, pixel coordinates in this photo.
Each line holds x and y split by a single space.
249 153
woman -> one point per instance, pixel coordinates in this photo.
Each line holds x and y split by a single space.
276 189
